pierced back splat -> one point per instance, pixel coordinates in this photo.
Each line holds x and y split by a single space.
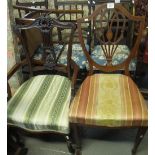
46 26
109 28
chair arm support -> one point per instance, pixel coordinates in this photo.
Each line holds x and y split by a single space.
15 68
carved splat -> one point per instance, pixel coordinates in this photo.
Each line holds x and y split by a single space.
48 28
109 29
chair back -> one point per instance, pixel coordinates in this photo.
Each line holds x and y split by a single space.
81 5
47 41
22 12
110 28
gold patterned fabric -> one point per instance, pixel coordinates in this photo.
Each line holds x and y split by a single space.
111 100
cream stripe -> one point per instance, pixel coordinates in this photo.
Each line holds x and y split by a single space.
144 108
74 105
55 97
130 100
124 98
95 85
41 110
85 115
141 108
29 95
64 118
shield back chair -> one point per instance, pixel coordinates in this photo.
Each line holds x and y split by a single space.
85 6
34 4
107 99
41 104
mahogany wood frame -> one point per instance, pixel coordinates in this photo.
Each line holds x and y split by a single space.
109 68
134 50
45 24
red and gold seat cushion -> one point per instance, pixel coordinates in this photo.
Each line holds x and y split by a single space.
111 100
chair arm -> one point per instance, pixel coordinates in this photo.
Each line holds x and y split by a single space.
15 68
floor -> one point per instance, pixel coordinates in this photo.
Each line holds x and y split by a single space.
94 142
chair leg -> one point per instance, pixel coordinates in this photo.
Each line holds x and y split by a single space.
69 144
140 135
76 137
15 146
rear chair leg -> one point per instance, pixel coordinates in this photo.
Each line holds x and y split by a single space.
140 135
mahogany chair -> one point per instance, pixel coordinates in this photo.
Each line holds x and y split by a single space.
84 6
110 100
41 103
129 5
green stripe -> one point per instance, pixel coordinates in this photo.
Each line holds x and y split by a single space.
13 103
37 100
57 108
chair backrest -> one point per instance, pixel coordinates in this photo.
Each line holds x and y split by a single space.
128 4
43 3
73 5
110 29
35 4
47 39
82 5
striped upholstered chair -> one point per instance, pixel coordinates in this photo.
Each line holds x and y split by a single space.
41 104
110 100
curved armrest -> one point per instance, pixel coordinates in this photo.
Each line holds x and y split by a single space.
15 68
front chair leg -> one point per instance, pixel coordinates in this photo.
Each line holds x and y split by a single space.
76 137
69 144
140 135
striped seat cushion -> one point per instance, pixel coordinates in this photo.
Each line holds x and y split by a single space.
41 104
111 100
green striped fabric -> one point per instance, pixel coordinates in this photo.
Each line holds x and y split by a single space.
41 104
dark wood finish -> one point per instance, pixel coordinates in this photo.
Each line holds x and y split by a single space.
45 25
107 36
41 4
140 135
129 5
42 10
70 5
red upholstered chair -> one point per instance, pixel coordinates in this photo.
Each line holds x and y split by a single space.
110 100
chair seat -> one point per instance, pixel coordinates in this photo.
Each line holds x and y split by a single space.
41 104
121 54
110 100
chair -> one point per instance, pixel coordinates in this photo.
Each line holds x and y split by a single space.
85 6
35 4
129 5
109 100
41 104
